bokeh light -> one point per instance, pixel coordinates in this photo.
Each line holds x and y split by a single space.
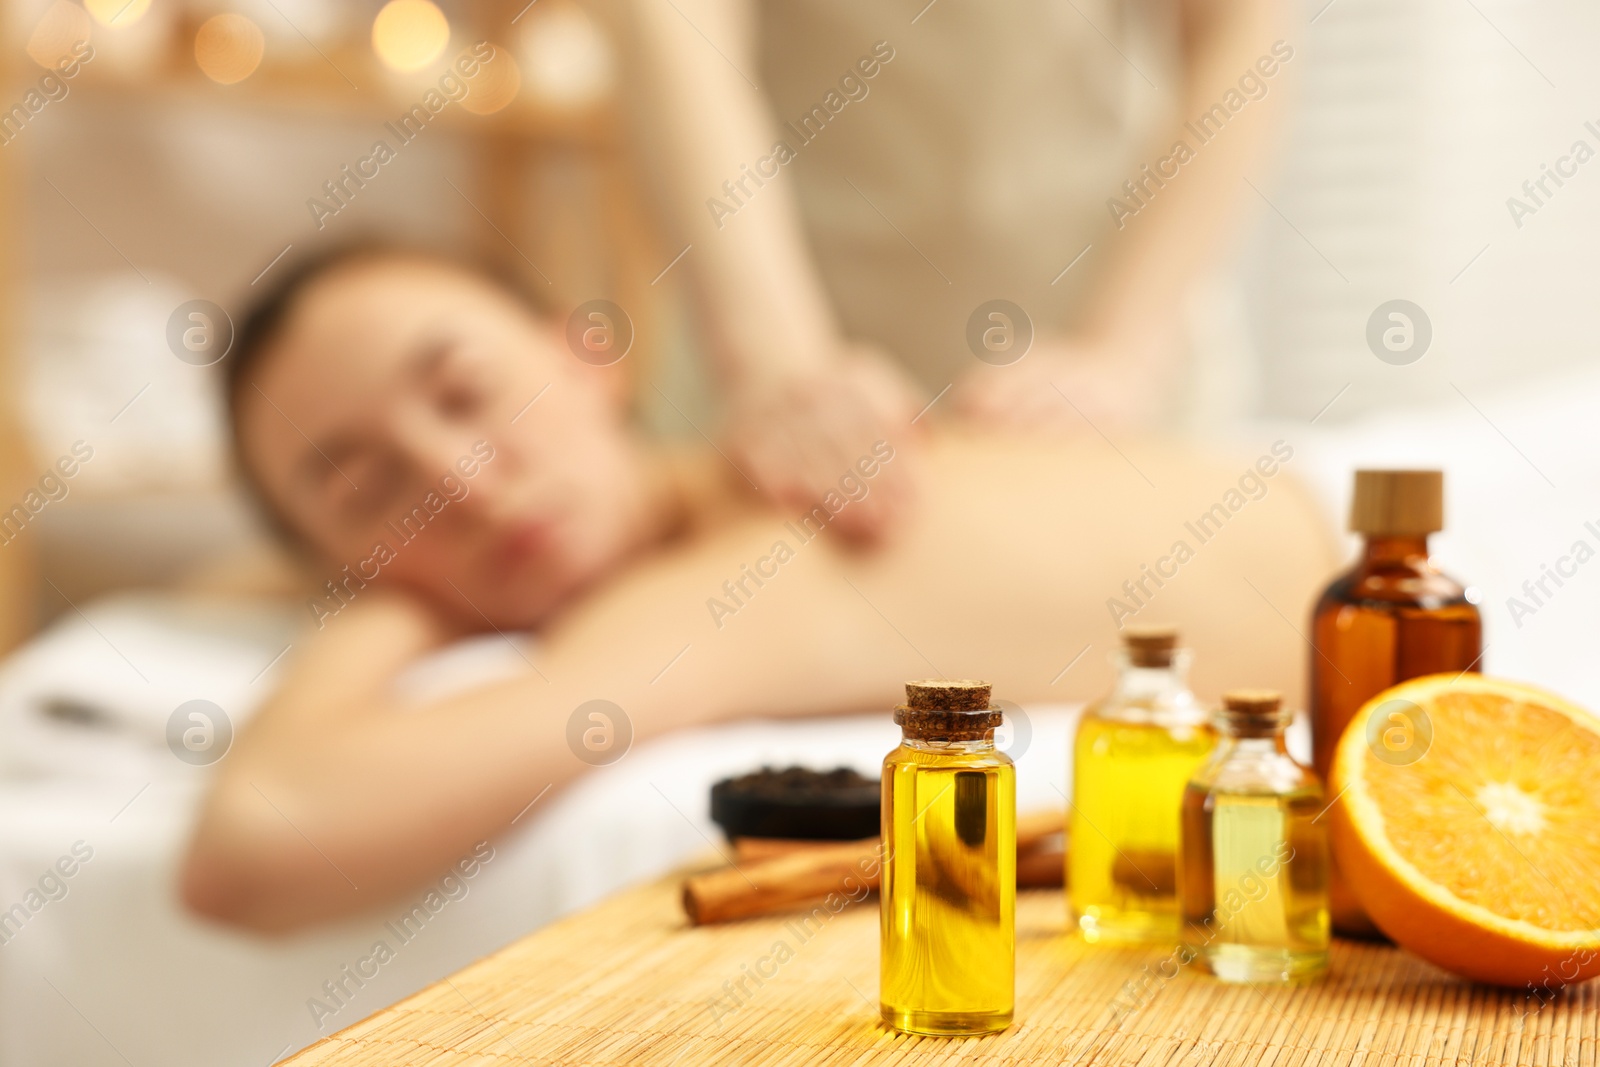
62 26
117 13
228 48
409 34
567 57
495 85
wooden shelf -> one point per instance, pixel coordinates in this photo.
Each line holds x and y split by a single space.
316 87
585 224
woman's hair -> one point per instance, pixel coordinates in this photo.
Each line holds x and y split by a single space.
265 320
263 325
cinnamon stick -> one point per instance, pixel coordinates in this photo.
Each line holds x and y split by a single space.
1041 849
1044 866
770 874
769 885
756 849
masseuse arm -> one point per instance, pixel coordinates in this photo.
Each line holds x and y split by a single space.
1116 365
1159 253
803 400
1005 574
699 120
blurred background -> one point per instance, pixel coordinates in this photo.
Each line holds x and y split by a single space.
178 163
179 166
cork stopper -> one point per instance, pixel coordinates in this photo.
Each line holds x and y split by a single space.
1394 503
1150 645
1254 712
947 710
959 694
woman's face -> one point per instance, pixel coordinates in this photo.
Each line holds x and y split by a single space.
394 423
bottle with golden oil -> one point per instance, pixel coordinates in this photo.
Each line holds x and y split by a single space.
1253 858
949 885
1133 753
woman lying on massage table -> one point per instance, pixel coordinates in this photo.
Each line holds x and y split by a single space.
384 407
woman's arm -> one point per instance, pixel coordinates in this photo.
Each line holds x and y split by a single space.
1114 364
336 797
1160 252
700 117
803 400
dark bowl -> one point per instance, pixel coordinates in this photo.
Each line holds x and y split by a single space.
796 802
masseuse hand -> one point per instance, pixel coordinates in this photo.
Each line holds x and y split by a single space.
1070 386
796 435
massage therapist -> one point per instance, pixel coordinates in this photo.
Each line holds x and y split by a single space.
856 182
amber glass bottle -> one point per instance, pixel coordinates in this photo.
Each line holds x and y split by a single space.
1391 617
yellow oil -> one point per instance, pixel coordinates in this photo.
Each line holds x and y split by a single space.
1128 780
1254 884
949 888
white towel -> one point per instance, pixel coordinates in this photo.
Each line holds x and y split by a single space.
92 696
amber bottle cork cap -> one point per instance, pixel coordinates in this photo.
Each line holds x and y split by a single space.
1150 645
954 710
1253 712
1397 502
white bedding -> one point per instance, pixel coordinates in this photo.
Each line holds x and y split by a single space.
113 973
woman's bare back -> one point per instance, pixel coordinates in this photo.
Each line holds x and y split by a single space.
1017 562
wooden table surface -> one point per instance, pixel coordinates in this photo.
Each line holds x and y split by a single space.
628 982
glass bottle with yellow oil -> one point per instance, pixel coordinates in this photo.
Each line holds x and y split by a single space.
949 886
1253 859
1133 753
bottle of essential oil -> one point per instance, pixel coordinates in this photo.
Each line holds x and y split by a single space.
1391 617
1134 751
949 883
1253 857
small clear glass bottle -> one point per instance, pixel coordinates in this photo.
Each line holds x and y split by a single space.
1253 871
947 908
1133 753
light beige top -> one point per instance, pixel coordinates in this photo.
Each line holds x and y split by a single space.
989 143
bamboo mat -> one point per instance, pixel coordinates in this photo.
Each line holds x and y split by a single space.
628 982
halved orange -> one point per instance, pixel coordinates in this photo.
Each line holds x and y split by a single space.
1468 825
